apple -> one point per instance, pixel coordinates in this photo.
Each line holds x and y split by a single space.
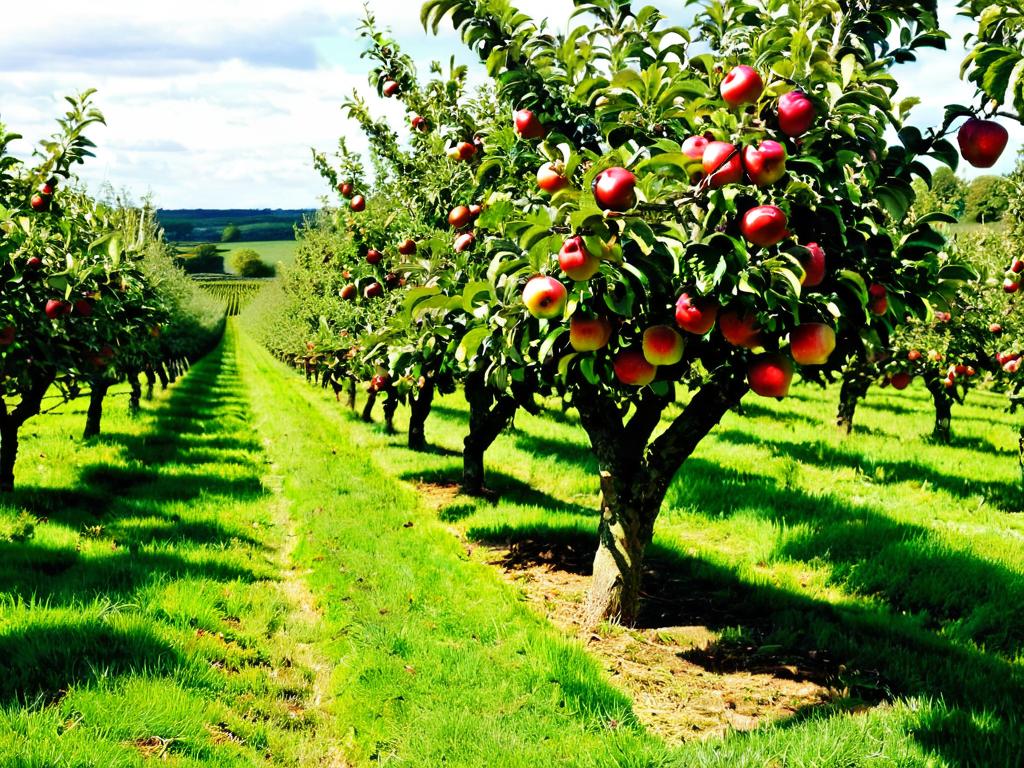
995 328
346 189
1017 266
39 203
614 189
47 188
914 355
466 150
528 125
632 368
83 307
391 280
1012 366
373 256
358 203
459 217
770 375
589 334
662 345
696 314
544 297
878 302
55 308
813 262
550 178
765 164
970 371
373 290
407 247
1010 285
960 369
7 336
934 355
716 165
464 242
739 328
764 225
743 85
948 383
812 343
576 261
33 263
378 382
475 210
348 292
982 142
454 154
901 380
796 113
390 88
419 124
695 146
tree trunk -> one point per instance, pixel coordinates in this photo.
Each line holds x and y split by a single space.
8 453
943 407
135 399
94 416
1020 455
390 406
352 394
161 372
150 382
489 414
419 407
10 423
855 386
371 398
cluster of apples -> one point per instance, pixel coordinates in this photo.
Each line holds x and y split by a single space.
357 203
44 196
1013 276
1010 361
460 217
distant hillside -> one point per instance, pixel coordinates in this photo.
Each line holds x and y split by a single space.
206 225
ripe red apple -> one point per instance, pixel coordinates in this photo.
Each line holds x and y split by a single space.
419 124
459 217
47 188
7 336
934 355
764 225
730 171
632 368
528 125
39 203
742 86
1010 285
982 142
391 280
696 314
373 290
812 343
878 302
346 189
33 263
948 383
465 151
589 334
407 247
373 256
694 147
765 164
901 380
544 297
813 262
796 113
576 261
662 345
960 369
614 189
348 292
464 242
914 355
1017 266
550 178
739 328
770 375
475 210
358 203
390 88
1012 366
995 328
83 307
55 308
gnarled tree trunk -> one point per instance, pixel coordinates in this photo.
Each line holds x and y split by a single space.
420 403
161 372
943 400
94 416
10 424
390 406
150 382
489 414
856 383
371 399
352 394
135 397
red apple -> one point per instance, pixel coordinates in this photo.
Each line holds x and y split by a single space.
813 262
796 113
995 328
419 124
83 307
770 375
348 292
390 88
46 189
632 368
982 142
729 171
466 150
764 225
55 308
739 328
373 290
358 203
765 164
1012 366
459 217
934 355
914 355
742 86
550 178
614 189
694 147
39 203
1017 266
696 314
475 210
544 297
878 302
346 189
7 336
528 125
576 261
407 247
901 380
812 343
464 242
33 263
589 334
373 256
662 345
1010 285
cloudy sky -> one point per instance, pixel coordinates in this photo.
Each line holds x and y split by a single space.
213 106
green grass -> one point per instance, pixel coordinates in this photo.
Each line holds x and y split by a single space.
271 251
241 576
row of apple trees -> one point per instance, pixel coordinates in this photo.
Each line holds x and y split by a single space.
89 295
634 211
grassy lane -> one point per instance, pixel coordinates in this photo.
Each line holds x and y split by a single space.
145 607
438 662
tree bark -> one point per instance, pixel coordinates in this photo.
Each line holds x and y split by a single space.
855 386
636 473
943 401
135 398
371 398
94 416
352 394
419 406
161 372
150 382
10 424
390 406
489 414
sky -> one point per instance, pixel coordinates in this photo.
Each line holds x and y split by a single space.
220 110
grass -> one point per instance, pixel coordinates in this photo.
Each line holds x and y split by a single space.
271 251
244 575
